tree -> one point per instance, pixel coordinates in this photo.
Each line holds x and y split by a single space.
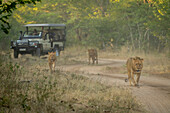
6 9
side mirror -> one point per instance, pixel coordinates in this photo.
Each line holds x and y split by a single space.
21 33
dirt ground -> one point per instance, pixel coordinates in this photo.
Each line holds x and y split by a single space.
153 92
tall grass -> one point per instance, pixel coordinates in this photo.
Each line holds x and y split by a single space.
58 93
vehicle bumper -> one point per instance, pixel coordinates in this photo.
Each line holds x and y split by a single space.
24 49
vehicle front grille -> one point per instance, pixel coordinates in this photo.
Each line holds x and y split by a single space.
22 44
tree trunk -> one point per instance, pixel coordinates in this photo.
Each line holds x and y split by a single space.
145 45
78 34
148 42
131 36
140 36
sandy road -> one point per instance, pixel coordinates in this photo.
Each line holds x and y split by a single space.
153 93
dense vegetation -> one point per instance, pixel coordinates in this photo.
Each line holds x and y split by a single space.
136 24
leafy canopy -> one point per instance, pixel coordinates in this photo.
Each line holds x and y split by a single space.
6 9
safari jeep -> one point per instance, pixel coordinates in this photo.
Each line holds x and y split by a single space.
39 39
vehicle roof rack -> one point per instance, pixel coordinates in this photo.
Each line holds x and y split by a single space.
45 25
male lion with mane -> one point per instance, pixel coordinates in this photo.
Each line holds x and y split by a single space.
52 60
93 55
134 66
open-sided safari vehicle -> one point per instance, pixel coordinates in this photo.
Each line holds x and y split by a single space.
39 39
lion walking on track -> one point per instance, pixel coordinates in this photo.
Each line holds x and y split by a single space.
93 55
134 66
52 60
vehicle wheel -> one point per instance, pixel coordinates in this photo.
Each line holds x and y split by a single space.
38 52
33 53
41 48
15 53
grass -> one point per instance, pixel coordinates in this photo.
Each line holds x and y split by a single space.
157 65
27 86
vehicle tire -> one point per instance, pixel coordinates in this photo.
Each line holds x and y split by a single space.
38 52
33 53
41 48
15 53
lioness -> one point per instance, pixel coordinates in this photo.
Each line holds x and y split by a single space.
93 55
52 60
134 66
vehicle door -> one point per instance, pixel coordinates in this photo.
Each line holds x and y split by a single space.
46 43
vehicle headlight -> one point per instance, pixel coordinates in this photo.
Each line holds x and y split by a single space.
14 44
33 43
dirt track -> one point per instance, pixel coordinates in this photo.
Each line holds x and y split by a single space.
153 93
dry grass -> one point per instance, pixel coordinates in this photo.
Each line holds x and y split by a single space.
27 86
157 65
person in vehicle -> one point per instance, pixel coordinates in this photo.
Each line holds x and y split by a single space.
35 32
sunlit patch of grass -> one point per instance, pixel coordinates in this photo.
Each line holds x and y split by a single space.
157 65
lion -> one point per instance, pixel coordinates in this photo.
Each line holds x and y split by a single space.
93 55
134 66
52 60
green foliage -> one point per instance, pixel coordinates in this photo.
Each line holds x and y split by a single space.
7 8
103 23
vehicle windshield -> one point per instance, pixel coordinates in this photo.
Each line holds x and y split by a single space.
32 34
